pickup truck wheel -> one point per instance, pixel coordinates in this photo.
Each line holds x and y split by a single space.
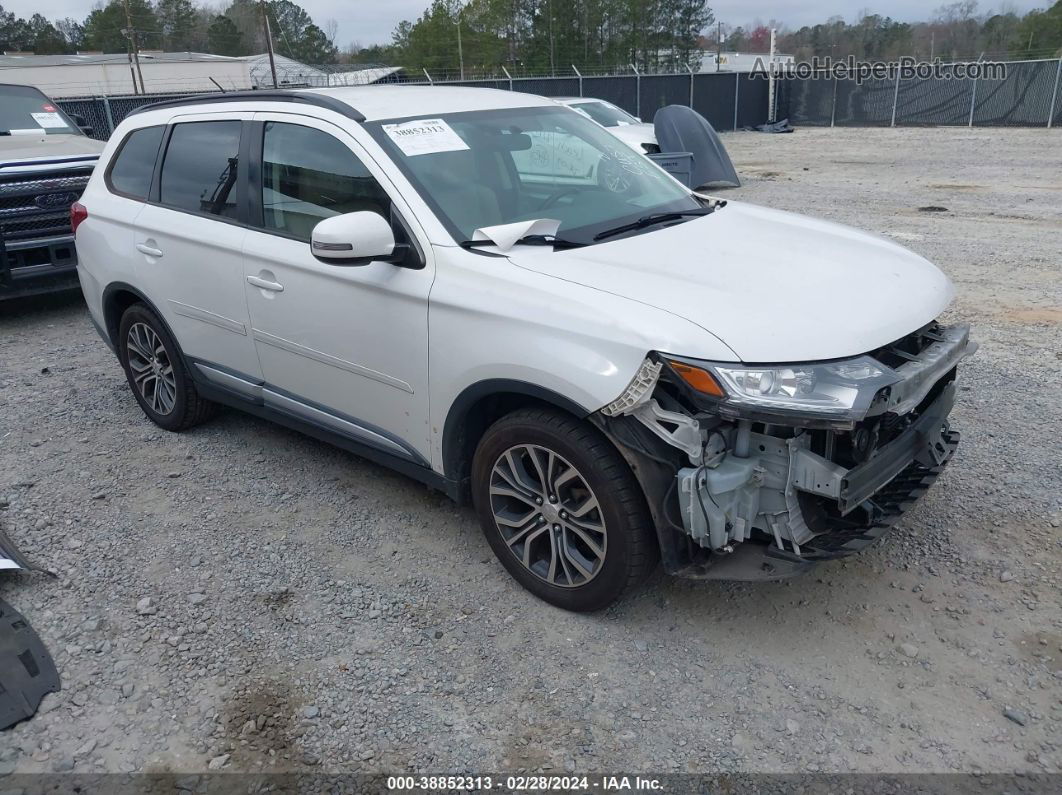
561 509
156 373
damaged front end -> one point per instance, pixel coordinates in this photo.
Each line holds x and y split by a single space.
758 472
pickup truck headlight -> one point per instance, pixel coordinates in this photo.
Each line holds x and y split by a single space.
832 391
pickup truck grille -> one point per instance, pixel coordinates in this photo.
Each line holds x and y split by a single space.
38 205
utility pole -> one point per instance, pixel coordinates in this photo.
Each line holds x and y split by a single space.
552 64
132 71
719 48
269 43
932 45
130 33
460 51
770 84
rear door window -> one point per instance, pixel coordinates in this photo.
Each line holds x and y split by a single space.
130 174
199 173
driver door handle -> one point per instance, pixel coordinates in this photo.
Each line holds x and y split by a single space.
150 251
265 284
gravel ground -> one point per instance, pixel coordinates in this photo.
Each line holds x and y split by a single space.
243 598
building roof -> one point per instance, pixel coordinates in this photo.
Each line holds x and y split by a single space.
7 61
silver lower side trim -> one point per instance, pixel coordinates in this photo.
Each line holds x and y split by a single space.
338 424
229 381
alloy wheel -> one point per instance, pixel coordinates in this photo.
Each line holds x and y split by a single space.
151 368
548 515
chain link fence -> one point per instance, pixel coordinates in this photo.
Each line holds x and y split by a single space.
729 100
1029 96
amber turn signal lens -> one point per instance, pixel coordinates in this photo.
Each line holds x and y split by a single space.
699 379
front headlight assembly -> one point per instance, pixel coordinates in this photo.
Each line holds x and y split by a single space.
835 394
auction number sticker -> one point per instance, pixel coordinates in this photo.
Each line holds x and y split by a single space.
48 120
424 137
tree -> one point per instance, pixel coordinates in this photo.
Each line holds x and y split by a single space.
313 47
14 32
1039 35
73 31
224 38
759 39
46 39
104 26
178 22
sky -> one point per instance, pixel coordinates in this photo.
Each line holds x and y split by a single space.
371 21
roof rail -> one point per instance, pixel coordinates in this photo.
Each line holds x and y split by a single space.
320 100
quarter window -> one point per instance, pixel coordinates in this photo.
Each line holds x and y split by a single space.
201 167
308 175
132 169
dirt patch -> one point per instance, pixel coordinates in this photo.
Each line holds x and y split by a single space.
259 725
1033 316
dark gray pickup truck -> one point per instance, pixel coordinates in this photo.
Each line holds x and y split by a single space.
45 161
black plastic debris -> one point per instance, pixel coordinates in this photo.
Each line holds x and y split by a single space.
933 208
27 672
12 559
782 126
680 129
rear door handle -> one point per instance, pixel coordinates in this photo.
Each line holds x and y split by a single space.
265 284
143 248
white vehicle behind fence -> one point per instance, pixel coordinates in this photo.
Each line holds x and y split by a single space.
610 376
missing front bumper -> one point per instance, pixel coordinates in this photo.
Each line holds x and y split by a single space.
790 504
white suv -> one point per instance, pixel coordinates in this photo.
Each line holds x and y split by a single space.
611 377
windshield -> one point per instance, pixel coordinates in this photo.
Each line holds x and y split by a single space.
26 111
485 168
604 114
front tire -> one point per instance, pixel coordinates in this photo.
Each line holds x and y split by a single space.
156 373
561 509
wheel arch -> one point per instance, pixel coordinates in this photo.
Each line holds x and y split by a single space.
118 297
478 406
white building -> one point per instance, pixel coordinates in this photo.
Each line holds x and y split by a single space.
95 74
739 61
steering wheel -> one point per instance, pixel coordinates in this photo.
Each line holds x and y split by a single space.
556 197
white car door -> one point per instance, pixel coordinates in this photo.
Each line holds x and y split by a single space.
189 242
341 346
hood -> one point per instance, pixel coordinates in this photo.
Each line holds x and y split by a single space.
38 147
774 286
634 135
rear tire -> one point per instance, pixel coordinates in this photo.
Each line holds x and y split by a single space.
562 510
154 367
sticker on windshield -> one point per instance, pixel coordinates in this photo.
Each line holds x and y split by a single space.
48 120
424 137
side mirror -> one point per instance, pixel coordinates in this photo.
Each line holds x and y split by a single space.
355 239
80 122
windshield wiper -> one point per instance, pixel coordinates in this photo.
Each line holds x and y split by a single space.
650 220
527 240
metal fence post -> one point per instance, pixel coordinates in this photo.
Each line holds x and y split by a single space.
1054 96
690 67
737 95
580 76
895 98
637 91
833 105
973 101
107 113
509 76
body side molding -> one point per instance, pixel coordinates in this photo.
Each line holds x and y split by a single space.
332 361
